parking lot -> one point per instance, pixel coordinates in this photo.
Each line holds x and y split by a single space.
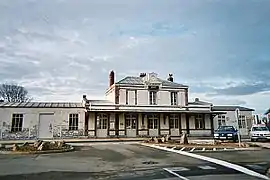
112 161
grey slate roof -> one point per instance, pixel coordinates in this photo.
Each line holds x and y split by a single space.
41 105
199 103
230 108
132 80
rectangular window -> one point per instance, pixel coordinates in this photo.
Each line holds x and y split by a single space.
73 121
173 98
102 121
242 121
174 121
153 121
131 121
126 96
17 122
136 97
153 97
221 120
199 121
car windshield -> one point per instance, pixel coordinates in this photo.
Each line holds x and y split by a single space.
260 128
226 128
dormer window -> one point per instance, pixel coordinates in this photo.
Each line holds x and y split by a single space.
173 98
153 97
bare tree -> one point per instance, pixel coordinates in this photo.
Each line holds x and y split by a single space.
14 93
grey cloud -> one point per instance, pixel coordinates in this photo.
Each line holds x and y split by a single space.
243 89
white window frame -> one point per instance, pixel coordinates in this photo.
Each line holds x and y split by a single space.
17 122
221 120
174 121
242 121
174 96
199 119
73 122
102 121
131 121
153 97
153 121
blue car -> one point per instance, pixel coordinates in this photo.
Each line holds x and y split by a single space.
226 133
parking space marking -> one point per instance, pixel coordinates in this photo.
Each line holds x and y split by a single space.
192 149
178 169
206 167
175 174
213 160
203 149
182 148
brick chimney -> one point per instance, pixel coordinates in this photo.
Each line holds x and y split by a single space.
170 78
111 78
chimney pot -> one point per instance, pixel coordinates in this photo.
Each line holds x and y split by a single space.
197 99
142 74
111 78
170 78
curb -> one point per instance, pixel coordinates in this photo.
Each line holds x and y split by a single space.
38 152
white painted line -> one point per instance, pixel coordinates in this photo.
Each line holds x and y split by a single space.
177 175
213 160
225 149
206 167
174 147
203 149
182 148
192 149
178 169
214 149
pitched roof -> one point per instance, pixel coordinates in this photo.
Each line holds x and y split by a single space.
267 112
41 105
230 108
132 80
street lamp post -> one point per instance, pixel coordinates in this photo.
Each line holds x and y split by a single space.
237 111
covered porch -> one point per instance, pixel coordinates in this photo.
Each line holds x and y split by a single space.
148 124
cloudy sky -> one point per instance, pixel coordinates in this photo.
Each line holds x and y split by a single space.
61 49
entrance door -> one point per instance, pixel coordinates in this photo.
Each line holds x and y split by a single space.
153 124
131 125
102 125
174 125
45 126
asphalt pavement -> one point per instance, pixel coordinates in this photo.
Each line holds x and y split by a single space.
114 161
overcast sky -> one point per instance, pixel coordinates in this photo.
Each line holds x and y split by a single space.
62 49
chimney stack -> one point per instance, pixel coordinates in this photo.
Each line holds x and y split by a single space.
111 78
142 75
170 78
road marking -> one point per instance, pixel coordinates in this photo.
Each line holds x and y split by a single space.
203 149
192 149
178 169
182 148
213 160
174 173
174 147
214 149
206 167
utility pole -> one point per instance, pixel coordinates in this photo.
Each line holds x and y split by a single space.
237 112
